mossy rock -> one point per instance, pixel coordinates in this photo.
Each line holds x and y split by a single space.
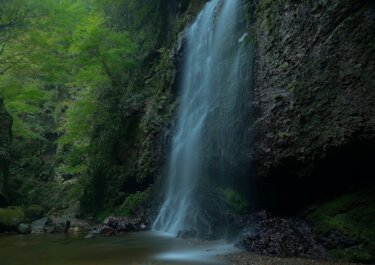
11 217
135 204
34 212
353 254
352 215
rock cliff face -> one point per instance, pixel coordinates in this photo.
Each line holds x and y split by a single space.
137 156
314 97
5 140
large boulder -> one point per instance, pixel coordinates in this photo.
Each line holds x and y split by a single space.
78 226
270 235
10 218
41 225
60 224
102 230
24 229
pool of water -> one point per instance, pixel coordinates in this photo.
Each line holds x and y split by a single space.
131 249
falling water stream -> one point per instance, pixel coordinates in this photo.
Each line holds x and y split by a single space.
210 137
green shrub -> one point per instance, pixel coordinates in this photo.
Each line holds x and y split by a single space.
11 217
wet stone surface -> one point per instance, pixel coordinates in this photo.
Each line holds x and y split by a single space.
270 235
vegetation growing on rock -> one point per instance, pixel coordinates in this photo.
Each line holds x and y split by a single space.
88 92
347 224
95 95
11 217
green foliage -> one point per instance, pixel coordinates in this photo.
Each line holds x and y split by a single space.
142 16
89 99
11 216
23 99
135 203
352 214
71 56
13 21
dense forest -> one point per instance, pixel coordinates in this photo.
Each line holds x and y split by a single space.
71 73
91 96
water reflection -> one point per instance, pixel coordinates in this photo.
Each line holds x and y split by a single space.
132 249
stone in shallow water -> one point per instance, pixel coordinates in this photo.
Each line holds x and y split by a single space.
24 229
125 224
38 226
90 236
103 230
79 226
60 224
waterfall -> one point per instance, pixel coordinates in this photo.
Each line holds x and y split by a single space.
211 138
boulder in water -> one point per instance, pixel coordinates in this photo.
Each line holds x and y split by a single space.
102 230
78 226
39 226
90 236
24 229
60 224
126 224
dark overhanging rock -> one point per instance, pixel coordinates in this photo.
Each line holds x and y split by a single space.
314 101
343 169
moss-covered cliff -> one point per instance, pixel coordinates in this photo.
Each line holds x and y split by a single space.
134 149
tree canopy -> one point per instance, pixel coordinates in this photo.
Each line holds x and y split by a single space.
57 58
